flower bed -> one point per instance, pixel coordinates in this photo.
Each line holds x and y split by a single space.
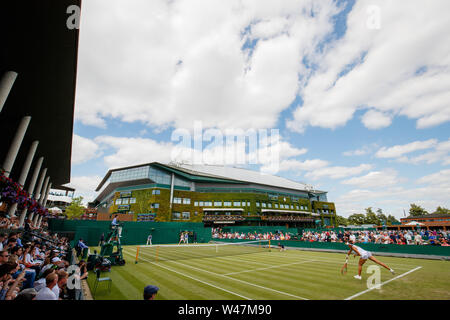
12 193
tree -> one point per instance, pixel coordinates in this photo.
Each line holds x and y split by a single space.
357 219
391 220
416 210
341 221
371 217
75 209
441 210
381 217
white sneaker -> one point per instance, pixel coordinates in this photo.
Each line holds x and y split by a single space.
392 271
357 277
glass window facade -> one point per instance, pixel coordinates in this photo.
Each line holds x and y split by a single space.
159 176
129 174
181 182
176 216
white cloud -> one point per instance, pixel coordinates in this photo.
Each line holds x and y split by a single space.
400 69
429 191
440 153
375 179
169 63
83 149
399 150
362 151
132 151
441 179
373 119
84 186
306 165
337 172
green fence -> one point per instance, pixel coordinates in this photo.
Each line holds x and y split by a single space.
372 247
133 233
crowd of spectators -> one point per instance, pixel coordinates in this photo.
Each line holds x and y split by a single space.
12 223
287 218
218 233
34 263
223 217
406 237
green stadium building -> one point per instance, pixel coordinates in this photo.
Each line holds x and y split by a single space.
214 195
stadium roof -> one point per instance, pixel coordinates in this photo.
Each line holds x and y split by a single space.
244 175
431 215
42 50
215 173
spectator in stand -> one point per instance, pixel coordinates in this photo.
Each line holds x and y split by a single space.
150 292
2 239
10 287
62 280
41 283
417 238
80 246
47 292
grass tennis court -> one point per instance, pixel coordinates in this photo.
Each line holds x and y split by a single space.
273 275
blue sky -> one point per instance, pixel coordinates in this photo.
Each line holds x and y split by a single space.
355 117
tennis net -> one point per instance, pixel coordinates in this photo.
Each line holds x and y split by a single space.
166 252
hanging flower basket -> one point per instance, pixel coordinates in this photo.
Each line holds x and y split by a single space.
12 193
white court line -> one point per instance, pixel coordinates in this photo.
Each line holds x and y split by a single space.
249 283
187 276
378 286
338 261
278 266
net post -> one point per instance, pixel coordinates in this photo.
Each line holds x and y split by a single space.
269 246
137 254
156 255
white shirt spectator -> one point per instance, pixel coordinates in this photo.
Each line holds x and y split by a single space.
46 294
56 291
39 284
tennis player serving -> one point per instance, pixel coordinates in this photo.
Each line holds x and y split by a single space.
364 255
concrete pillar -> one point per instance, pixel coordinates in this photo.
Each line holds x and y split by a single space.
39 222
43 200
37 192
24 174
6 83
27 165
31 186
15 145
35 220
43 191
35 175
46 194
39 189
